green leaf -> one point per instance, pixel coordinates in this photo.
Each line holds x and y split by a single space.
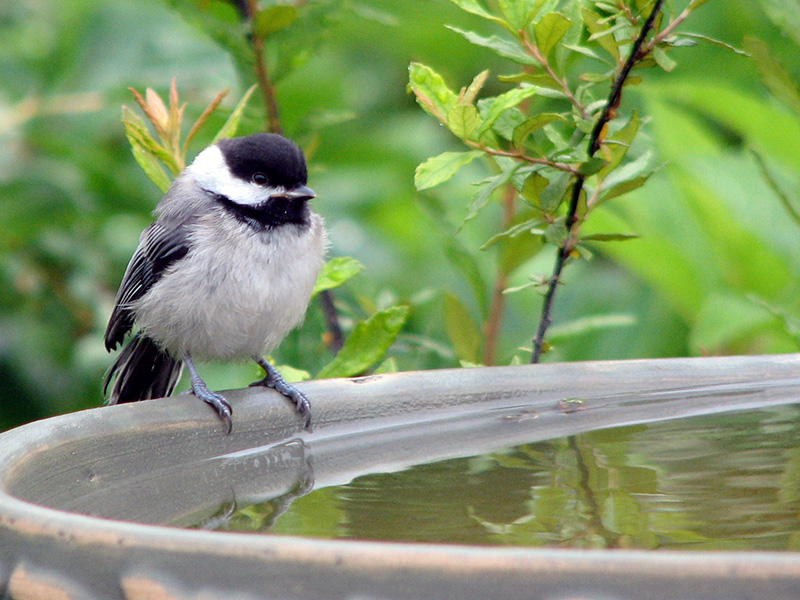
533 187
487 188
502 46
461 328
274 18
662 60
439 169
475 8
609 237
601 33
592 166
513 231
550 30
691 37
786 201
463 120
291 374
151 167
230 127
142 146
586 325
431 91
556 233
615 152
367 343
623 188
501 103
533 124
518 13
785 14
335 272
468 94
550 198
774 74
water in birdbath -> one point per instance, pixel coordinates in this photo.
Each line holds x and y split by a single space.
727 481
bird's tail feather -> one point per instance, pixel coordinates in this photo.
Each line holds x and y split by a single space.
143 371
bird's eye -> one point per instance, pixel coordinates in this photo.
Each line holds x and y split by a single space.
259 178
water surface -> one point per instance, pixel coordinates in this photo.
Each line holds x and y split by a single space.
727 481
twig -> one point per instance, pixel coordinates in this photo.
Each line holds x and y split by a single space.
595 140
542 60
518 155
273 121
491 332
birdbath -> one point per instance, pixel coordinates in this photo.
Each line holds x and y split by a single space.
84 497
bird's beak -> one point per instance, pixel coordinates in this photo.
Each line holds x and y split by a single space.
301 192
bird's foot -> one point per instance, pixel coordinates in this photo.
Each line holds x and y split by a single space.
217 402
276 381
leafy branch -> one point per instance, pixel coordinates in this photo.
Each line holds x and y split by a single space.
554 141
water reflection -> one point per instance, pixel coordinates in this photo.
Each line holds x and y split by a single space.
729 481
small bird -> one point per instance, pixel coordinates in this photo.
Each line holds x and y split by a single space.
224 272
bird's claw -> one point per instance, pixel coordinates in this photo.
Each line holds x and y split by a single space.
279 384
218 403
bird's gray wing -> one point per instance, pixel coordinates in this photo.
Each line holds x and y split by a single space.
162 244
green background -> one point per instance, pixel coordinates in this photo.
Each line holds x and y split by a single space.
714 271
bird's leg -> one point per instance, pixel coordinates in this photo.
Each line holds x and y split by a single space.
275 381
200 389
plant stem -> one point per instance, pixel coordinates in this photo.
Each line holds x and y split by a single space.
638 52
272 120
491 330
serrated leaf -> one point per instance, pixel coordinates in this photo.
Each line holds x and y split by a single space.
274 18
439 169
522 132
231 126
367 343
463 120
431 91
501 103
502 46
335 272
461 328
549 31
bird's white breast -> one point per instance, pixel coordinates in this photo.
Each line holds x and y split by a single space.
238 292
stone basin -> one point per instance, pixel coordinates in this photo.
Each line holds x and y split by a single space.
84 496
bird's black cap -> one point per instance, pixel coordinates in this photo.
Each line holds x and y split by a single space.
271 154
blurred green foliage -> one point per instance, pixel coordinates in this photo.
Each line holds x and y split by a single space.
713 271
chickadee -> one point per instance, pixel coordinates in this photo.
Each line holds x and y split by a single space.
224 272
